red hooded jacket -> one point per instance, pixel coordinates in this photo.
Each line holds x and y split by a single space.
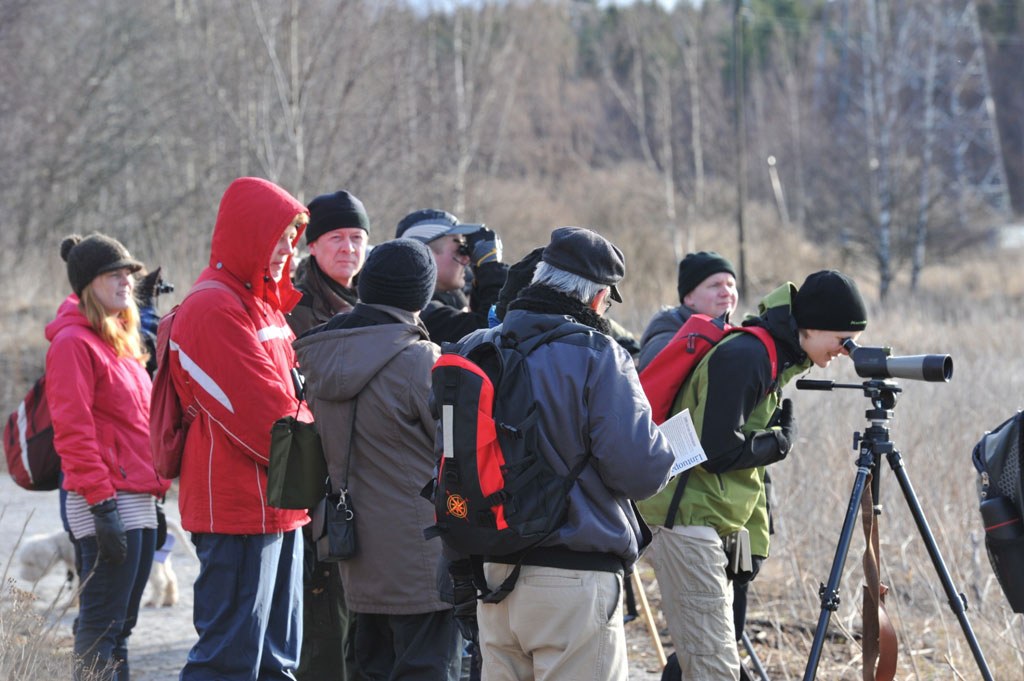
99 404
235 357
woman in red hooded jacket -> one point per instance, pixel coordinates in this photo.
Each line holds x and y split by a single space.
98 392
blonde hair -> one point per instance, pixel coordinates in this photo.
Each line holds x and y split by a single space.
119 331
300 220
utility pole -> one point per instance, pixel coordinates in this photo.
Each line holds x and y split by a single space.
741 137
977 153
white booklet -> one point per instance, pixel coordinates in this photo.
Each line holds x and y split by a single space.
681 434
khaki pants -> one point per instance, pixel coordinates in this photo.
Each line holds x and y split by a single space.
696 599
559 625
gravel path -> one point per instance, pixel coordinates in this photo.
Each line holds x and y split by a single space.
163 636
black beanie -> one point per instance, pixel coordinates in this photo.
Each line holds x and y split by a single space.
329 212
696 267
400 273
829 301
91 256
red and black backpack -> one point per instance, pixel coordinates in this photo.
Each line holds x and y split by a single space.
495 494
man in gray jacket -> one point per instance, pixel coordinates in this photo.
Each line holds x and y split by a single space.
368 382
563 619
707 285
337 237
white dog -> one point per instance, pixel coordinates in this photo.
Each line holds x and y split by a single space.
40 553
163 583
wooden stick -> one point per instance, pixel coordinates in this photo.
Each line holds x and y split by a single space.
645 611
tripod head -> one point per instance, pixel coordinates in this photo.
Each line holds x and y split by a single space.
881 392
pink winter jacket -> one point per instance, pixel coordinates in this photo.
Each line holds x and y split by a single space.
99 404
232 350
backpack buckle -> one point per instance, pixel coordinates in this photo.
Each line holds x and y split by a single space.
511 431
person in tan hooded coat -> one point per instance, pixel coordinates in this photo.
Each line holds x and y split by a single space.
368 382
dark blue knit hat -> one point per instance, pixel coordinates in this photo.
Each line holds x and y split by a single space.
829 301
400 273
696 267
329 212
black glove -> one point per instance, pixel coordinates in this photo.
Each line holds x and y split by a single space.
110 536
161 526
464 610
484 246
786 434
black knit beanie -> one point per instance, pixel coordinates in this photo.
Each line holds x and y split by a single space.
91 256
400 273
829 301
329 212
696 267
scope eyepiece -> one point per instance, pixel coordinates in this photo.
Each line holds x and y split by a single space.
878 362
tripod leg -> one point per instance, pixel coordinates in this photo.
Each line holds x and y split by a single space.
830 592
754 659
957 601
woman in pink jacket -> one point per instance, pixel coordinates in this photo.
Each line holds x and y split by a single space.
98 393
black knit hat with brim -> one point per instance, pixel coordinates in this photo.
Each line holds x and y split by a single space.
400 273
339 210
93 255
696 267
829 301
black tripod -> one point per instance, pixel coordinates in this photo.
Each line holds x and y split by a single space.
873 444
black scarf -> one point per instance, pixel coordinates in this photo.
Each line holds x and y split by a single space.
349 295
545 300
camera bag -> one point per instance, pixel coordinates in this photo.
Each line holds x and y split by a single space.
997 458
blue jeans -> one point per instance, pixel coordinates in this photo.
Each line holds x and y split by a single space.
109 606
248 607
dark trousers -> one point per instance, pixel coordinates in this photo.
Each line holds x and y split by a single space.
406 647
109 607
327 650
248 607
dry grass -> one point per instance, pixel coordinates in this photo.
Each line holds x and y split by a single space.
33 645
971 310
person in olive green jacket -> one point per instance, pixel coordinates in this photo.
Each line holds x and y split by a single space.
735 407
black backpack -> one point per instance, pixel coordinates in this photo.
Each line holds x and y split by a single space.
495 494
997 458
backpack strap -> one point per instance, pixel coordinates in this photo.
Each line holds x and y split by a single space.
527 346
763 335
677 498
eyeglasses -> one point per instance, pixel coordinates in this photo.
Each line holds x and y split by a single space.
607 303
463 249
